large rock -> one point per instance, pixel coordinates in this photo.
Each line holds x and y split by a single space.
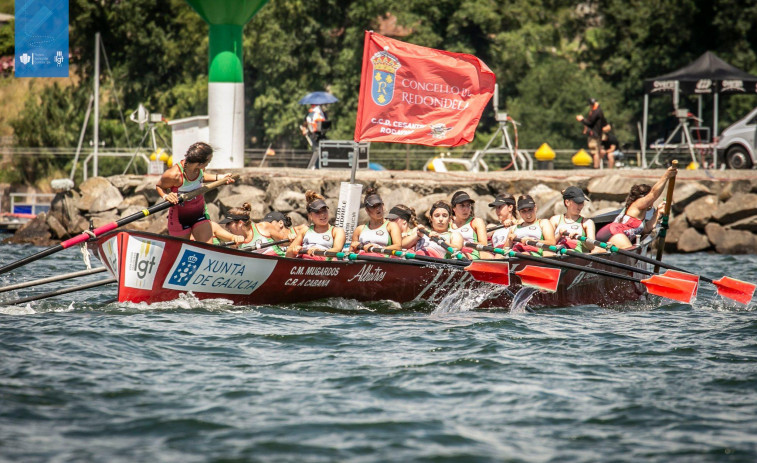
545 198
133 200
56 228
289 201
397 195
678 225
692 241
147 189
35 231
127 184
750 224
729 241
97 195
740 206
699 213
685 193
734 187
279 185
611 187
236 195
423 204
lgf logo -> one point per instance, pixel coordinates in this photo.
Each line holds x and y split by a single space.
25 58
142 266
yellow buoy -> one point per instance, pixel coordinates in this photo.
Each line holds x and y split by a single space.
582 159
544 153
169 162
692 166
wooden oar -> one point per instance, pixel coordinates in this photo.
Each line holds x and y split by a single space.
60 291
112 226
727 287
43 281
671 288
664 223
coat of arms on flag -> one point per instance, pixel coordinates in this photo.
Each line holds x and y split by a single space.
385 67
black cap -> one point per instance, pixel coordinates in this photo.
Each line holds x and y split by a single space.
574 194
233 218
317 205
525 203
397 213
592 101
461 198
500 200
373 200
274 216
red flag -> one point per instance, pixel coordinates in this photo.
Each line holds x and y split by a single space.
418 95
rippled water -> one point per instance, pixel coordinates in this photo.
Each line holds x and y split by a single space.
86 379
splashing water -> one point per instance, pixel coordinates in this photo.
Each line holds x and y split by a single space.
465 300
521 300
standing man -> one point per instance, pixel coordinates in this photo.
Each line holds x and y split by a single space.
593 124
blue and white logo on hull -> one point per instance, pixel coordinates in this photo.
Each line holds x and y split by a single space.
187 266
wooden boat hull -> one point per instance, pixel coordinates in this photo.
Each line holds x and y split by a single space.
154 268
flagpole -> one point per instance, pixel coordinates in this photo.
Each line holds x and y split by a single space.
354 161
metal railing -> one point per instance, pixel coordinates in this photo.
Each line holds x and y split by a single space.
30 203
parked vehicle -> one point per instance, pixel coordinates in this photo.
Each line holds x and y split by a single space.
736 145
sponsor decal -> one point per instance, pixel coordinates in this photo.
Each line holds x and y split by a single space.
385 67
663 86
208 271
369 273
703 86
732 86
109 256
315 271
142 260
326 237
379 232
439 130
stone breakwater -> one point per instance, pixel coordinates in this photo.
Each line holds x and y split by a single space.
711 212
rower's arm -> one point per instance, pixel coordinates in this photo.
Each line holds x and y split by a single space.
356 238
590 229
294 248
339 239
396 234
647 201
480 227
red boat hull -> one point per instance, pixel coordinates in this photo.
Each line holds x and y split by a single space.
154 268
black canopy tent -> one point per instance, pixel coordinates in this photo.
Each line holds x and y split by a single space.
706 75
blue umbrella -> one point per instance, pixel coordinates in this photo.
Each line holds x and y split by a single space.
318 98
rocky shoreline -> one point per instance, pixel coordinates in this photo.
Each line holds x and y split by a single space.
716 212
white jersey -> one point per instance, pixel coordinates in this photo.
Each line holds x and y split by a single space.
323 241
499 237
379 236
429 247
532 231
571 227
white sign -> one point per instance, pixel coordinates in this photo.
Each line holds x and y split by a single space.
348 208
109 255
206 271
141 262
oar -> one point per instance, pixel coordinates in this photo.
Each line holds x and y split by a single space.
267 245
496 227
727 287
60 291
43 281
492 272
664 224
84 236
455 253
495 273
671 288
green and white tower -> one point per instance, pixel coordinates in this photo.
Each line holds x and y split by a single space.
226 19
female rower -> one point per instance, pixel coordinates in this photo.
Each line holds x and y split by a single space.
270 229
406 220
439 216
471 228
507 216
320 235
572 225
630 222
190 218
378 231
531 228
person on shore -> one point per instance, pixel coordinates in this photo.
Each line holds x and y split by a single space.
472 229
531 228
190 218
593 123
378 231
504 205
571 225
610 149
440 216
320 235
631 222
406 220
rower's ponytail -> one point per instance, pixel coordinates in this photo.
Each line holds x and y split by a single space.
240 212
311 196
637 192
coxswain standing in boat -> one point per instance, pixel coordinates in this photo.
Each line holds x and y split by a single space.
572 225
320 235
439 216
630 222
378 231
471 228
504 205
407 221
190 218
531 228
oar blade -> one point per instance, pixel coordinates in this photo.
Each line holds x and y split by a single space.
545 278
682 276
737 290
671 288
490 272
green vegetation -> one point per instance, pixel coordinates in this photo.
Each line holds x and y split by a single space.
549 57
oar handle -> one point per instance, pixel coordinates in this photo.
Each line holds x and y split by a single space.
411 255
455 253
664 220
570 252
269 244
483 247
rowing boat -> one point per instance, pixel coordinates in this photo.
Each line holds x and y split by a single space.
154 268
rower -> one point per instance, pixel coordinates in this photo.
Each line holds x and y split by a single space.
190 218
222 235
270 229
572 225
439 216
406 220
320 235
378 231
471 228
631 220
531 229
504 205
